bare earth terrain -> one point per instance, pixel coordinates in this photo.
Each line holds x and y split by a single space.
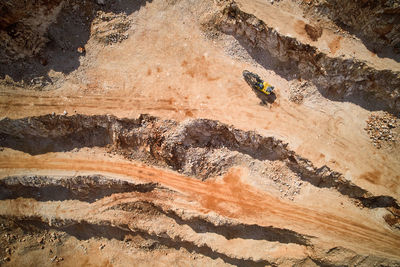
129 136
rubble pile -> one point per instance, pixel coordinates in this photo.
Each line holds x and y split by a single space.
109 28
299 90
382 130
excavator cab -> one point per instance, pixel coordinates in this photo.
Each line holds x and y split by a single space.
266 88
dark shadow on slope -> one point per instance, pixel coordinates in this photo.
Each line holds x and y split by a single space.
85 230
265 99
364 99
388 51
82 188
289 70
35 135
321 263
124 6
229 231
26 135
70 31
379 202
218 135
318 178
34 144
244 231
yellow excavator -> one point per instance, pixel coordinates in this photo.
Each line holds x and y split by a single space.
260 86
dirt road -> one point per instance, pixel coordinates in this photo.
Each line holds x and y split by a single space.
174 62
194 77
231 198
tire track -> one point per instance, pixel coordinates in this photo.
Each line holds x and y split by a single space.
248 204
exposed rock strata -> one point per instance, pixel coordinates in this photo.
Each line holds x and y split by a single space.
377 21
338 78
186 147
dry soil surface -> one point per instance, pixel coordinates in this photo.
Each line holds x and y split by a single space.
104 191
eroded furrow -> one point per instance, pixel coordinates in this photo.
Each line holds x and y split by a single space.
83 188
188 147
84 230
245 203
120 190
201 224
336 78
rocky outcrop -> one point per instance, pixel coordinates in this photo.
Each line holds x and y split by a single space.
377 21
313 31
121 208
21 34
199 147
142 215
49 36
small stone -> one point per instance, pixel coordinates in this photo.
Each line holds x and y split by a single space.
53 114
313 31
6 259
65 113
102 246
54 258
81 50
40 240
43 61
8 251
